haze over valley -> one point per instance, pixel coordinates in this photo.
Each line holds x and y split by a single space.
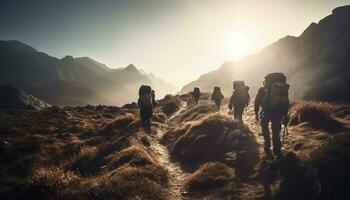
175 100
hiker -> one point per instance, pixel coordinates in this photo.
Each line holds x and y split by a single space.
274 102
217 96
239 100
195 95
145 104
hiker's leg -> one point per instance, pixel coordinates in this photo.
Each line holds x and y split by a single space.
276 139
143 123
240 114
149 124
196 100
149 115
264 122
142 119
217 103
235 113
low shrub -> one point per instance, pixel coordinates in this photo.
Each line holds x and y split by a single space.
318 114
133 155
123 124
86 162
206 141
209 176
170 104
46 183
129 182
332 163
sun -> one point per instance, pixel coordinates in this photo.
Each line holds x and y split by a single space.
239 45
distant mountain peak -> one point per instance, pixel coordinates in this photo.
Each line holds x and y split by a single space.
68 58
16 46
130 68
93 64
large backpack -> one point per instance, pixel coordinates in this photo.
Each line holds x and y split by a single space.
277 92
217 95
145 89
241 96
145 96
196 92
238 84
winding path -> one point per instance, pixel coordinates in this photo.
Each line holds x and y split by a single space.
177 176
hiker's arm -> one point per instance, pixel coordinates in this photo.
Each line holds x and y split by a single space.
286 112
230 103
138 103
248 99
258 100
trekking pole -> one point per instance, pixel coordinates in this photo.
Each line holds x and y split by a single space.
285 132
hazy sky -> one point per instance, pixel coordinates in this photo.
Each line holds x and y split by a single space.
177 40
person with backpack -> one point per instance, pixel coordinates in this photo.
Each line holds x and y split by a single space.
145 105
217 96
195 95
239 100
274 102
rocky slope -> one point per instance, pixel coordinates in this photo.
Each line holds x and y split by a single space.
316 63
14 98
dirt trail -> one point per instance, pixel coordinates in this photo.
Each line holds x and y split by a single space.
254 127
177 176
252 124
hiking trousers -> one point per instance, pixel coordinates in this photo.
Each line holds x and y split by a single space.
238 113
146 124
196 99
146 114
276 126
218 103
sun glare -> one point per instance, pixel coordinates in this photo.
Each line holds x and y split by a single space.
239 45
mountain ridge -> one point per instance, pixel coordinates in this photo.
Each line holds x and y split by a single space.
69 80
315 62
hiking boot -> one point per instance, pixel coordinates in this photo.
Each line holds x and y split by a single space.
267 147
277 153
268 153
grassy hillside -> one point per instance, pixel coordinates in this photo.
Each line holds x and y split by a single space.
193 152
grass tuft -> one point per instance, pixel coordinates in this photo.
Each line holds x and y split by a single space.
209 176
318 114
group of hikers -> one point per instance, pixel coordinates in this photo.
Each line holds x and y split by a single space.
239 100
272 98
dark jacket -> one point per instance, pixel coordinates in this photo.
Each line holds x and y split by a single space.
196 94
217 96
239 98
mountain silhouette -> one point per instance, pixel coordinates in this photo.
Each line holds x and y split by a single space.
316 63
71 81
